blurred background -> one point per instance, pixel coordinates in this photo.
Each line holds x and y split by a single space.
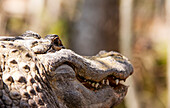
139 29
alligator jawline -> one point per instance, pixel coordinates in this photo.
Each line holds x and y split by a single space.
109 81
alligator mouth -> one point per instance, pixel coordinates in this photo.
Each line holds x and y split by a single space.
109 81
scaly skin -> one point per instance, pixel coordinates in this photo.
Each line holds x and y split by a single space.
38 72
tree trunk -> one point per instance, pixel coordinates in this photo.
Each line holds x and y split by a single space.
126 47
97 28
168 60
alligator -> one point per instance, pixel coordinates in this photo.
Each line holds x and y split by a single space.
40 72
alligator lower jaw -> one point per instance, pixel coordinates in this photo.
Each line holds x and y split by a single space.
109 81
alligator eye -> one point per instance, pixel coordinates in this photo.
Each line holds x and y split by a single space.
57 41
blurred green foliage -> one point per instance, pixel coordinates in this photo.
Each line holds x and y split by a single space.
16 26
61 28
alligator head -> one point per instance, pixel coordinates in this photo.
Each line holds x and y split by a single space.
93 82
66 79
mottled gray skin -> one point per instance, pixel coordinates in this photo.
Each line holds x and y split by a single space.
34 74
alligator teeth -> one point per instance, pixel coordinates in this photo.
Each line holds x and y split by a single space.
97 84
103 81
117 81
93 84
111 81
121 81
107 82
